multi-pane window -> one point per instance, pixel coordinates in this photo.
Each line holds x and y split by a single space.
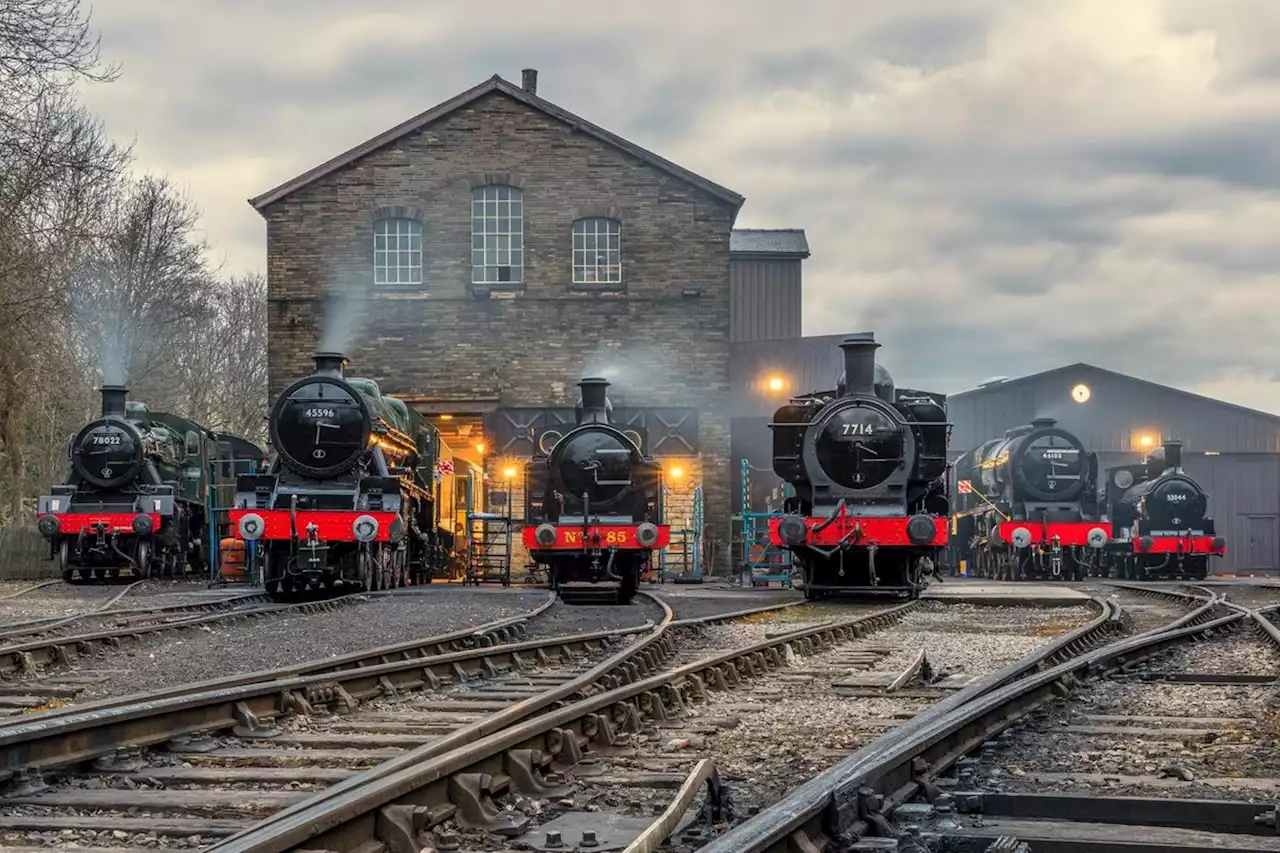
597 252
497 234
397 251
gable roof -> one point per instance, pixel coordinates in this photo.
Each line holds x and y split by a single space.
775 242
1080 366
496 84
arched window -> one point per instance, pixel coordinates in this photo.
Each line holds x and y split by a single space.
497 234
597 251
397 251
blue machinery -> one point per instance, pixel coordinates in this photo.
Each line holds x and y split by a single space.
764 563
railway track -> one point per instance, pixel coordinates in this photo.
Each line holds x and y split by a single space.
241 747
523 776
51 666
943 780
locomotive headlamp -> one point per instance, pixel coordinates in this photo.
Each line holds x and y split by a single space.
792 530
1097 537
142 524
1081 393
48 525
647 535
365 528
545 535
920 529
251 526
1021 537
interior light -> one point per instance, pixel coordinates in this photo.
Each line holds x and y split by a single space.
1146 441
677 472
776 383
480 447
446 417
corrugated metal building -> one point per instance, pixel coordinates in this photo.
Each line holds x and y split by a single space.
1234 452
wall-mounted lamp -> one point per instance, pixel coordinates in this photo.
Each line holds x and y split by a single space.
1080 393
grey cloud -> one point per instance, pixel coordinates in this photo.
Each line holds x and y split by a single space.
976 241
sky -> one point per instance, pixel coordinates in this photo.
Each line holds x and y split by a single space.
996 187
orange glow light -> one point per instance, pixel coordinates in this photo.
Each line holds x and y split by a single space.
480 447
1146 441
677 472
776 383
508 472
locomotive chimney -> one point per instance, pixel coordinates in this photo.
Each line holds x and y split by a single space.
859 363
330 363
113 397
1043 423
1172 455
595 402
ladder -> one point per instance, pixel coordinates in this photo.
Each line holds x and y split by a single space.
220 472
758 560
681 560
489 542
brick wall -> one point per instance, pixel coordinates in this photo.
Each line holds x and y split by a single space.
530 347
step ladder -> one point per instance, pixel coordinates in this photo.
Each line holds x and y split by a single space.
489 541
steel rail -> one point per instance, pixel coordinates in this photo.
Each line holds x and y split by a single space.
481 636
657 833
54 621
35 626
27 589
33 654
424 788
847 800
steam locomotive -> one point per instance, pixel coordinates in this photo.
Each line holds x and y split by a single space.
593 506
134 503
1027 505
349 499
1159 520
867 463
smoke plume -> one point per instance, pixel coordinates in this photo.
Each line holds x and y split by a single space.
341 322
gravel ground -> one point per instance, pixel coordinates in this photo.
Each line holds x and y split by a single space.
782 730
1241 744
169 659
692 602
60 600
563 618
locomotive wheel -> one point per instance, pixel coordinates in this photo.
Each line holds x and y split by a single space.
64 562
144 559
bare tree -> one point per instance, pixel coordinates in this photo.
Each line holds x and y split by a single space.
225 367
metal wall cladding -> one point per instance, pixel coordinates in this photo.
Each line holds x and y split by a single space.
751 439
1119 411
802 365
764 298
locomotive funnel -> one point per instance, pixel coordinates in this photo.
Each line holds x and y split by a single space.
1172 455
113 397
859 363
593 408
330 363
1043 423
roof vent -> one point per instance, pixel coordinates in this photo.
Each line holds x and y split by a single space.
529 80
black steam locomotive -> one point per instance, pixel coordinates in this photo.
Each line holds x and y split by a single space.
1027 506
349 498
135 501
867 462
1159 520
593 506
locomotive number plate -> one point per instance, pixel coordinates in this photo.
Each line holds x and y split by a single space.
610 536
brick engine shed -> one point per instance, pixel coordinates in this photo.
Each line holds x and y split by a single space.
482 257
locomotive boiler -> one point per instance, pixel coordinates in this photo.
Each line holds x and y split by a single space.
1026 505
134 502
593 506
867 463
1159 517
349 500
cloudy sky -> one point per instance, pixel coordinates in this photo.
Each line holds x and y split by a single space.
994 186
